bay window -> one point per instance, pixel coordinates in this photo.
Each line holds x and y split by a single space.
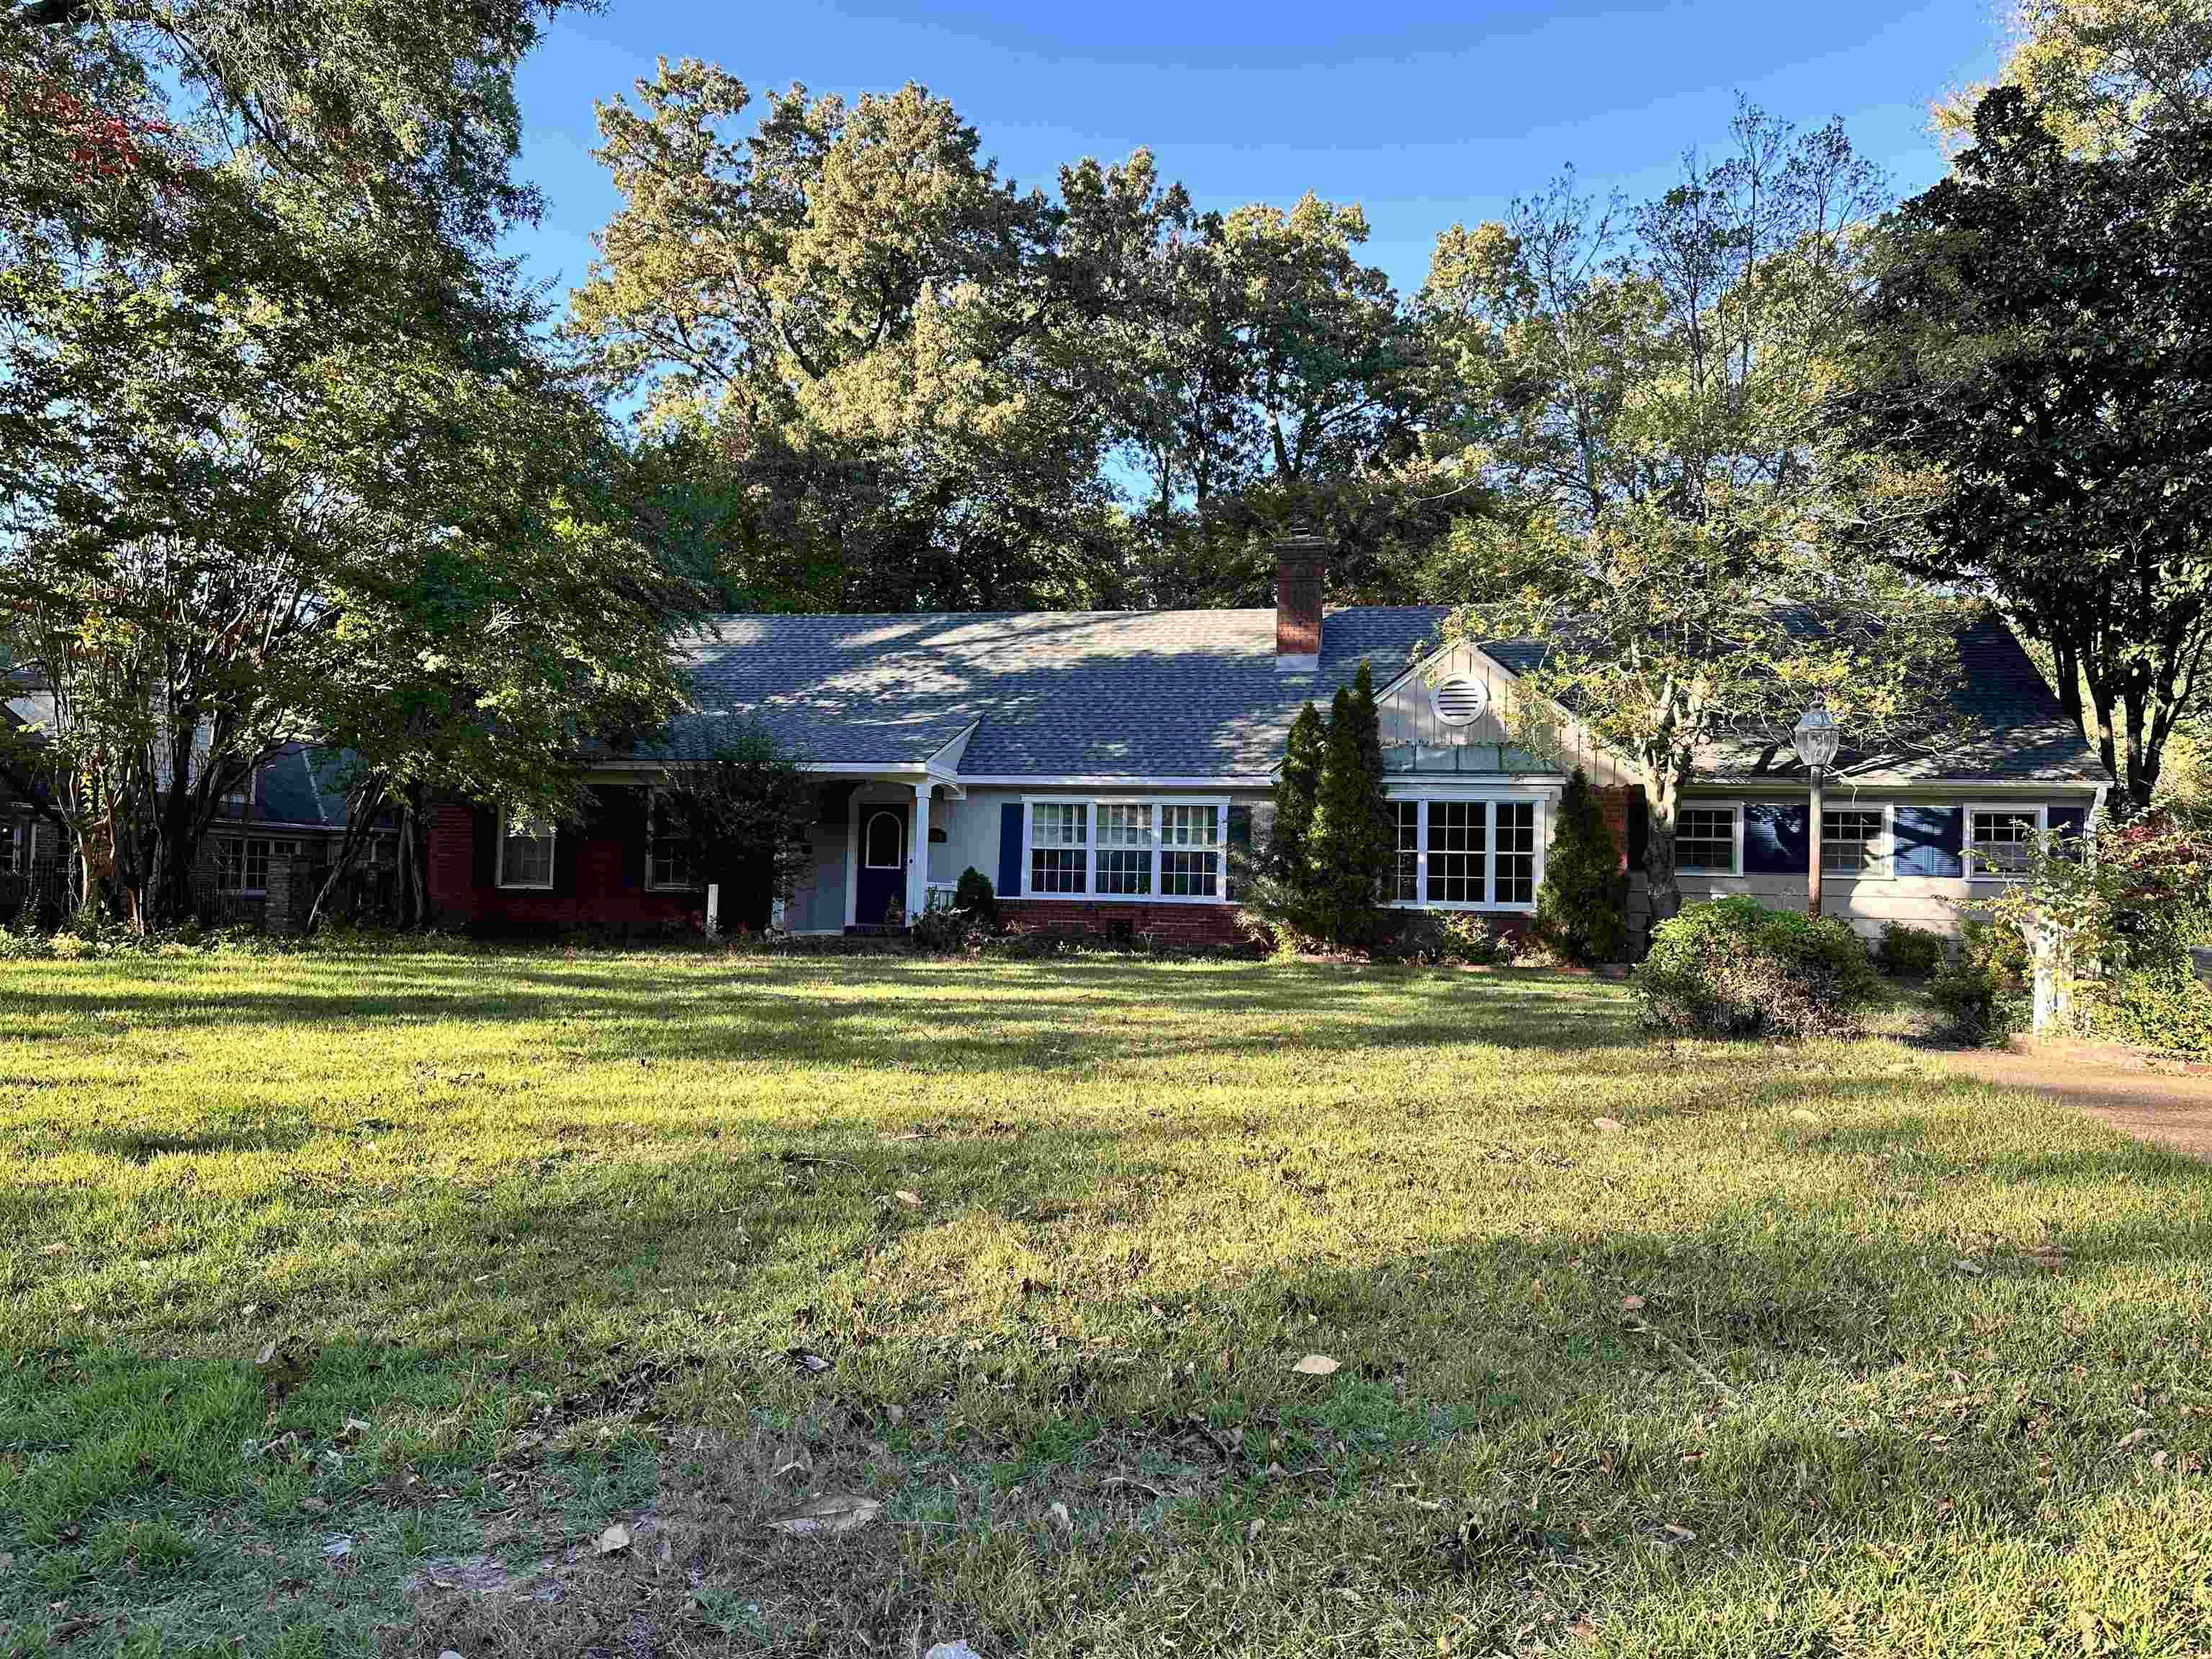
1469 853
1127 849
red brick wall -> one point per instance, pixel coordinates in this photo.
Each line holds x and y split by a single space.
1618 800
452 864
1192 925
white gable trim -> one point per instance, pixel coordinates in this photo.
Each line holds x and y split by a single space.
1585 737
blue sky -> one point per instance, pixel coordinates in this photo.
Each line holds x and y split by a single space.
1424 113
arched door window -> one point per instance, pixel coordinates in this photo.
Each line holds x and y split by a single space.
884 843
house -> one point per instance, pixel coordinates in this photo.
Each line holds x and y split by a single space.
1100 767
289 817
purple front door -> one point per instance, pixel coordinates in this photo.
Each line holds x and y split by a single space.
880 882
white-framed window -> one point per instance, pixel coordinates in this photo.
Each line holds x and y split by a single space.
1123 848
667 852
1709 839
1407 881
883 840
526 850
14 844
1466 851
1854 840
241 863
2001 840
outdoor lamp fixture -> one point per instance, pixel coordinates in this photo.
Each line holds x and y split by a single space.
1815 738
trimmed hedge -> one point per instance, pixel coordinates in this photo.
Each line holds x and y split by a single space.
1733 967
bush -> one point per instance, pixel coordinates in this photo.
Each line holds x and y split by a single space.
2166 1006
974 895
1582 909
1733 968
1439 937
939 931
1976 1005
1909 952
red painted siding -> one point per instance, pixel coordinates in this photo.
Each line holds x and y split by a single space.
599 875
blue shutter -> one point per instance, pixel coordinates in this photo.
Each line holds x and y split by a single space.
2070 823
1774 837
1010 850
1930 840
1240 848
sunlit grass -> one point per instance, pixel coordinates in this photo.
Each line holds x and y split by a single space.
1821 1352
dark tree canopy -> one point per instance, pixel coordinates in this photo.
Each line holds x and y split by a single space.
2036 352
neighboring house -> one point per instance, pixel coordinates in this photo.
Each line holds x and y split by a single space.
1100 767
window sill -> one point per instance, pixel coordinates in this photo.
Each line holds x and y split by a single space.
1529 910
524 886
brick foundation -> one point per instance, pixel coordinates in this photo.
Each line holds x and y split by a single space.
1190 926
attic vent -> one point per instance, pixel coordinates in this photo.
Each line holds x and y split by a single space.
1459 701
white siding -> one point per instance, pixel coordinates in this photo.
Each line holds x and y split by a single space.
1487 745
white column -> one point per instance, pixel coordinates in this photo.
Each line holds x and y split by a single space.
917 856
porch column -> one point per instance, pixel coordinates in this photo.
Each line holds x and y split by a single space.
917 856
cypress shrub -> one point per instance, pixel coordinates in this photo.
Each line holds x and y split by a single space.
1581 907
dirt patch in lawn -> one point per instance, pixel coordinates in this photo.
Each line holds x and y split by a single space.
2166 1101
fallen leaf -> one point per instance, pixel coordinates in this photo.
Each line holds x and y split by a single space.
351 1433
896 1413
1965 1266
314 1506
956 1649
616 1537
911 1199
807 1360
788 1468
338 1545
1608 1124
1253 1531
54 1250
267 1353
1631 1304
1800 1115
2130 1438
1682 1533
1066 1521
837 1512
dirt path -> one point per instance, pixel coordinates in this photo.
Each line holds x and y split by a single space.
2152 1100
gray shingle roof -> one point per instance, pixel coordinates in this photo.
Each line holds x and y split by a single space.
1196 693
1104 694
2017 729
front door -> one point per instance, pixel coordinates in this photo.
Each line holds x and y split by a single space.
880 883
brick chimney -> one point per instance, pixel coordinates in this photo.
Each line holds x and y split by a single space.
1301 580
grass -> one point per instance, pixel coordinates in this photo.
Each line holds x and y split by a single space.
1822 1351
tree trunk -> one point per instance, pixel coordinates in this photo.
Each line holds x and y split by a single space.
1662 800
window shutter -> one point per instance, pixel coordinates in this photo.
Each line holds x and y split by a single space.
1930 841
2070 821
1774 840
1010 850
622 818
567 839
1240 848
484 832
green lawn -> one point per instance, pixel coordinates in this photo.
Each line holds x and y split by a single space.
1818 1353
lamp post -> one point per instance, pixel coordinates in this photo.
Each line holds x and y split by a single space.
1815 738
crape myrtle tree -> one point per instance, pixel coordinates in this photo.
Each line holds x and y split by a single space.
2034 358
269 408
1645 389
741 807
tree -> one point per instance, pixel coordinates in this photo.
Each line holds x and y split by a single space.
2033 358
1347 861
1645 392
881 345
744 809
2099 73
1581 907
277 449
1296 784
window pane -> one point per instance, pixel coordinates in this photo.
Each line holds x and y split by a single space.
1189 875
1850 842
1057 869
1516 852
525 855
1190 826
1057 823
1458 843
886 835
1125 826
1123 870
668 861
1705 839
1409 814
2003 842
